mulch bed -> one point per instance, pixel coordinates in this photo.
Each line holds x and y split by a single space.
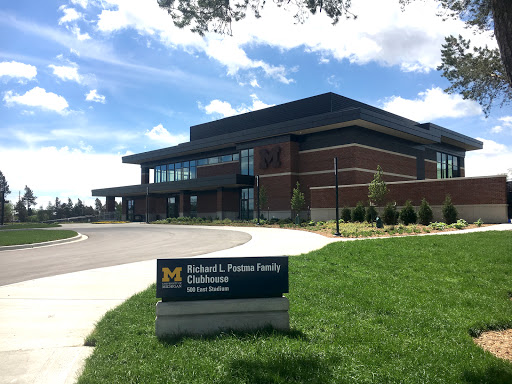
499 343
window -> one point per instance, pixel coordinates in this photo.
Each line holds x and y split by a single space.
170 172
186 169
157 174
193 171
173 208
226 158
202 162
193 206
447 166
177 172
163 171
213 160
130 212
247 204
247 162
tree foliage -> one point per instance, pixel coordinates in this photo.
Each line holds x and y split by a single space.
298 200
408 214
4 185
29 198
358 213
390 214
425 214
377 190
450 213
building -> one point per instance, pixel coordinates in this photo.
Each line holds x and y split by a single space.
214 175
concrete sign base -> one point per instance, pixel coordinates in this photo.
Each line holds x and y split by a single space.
203 317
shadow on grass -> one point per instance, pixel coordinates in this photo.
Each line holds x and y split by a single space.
241 335
284 369
495 375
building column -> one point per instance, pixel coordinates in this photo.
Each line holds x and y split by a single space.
184 204
111 203
144 175
220 206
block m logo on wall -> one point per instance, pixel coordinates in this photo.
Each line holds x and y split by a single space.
270 158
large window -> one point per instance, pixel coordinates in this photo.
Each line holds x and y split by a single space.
247 162
247 204
447 166
187 170
173 206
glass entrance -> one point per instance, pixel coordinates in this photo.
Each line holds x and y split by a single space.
247 204
173 206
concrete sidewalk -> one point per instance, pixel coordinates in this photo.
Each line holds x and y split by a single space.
44 322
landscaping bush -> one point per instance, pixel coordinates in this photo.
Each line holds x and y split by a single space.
390 216
461 223
358 213
478 223
425 214
346 214
371 214
408 214
449 211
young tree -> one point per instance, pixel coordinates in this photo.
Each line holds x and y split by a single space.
298 201
449 211
98 206
29 198
377 190
425 214
408 214
390 214
263 198
358 213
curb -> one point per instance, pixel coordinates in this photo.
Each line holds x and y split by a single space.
78 237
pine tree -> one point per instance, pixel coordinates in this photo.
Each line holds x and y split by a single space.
377 190
425 214
298 201
29 198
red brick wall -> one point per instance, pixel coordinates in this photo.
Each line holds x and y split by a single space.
279 191
430 170
218 169
463 191
288 157
357 157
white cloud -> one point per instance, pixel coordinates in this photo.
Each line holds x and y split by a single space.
80 36
66 73
254 83
432 104
16 69
493 159
224 109
506 125
82 3
94 96
38 97
497 129
83 171
70 14
162 135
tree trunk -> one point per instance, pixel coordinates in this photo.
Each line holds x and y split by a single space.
502 15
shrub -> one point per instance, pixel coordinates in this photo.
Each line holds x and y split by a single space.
408 214
478 223
461 223
371 214
449 211
425 214
346 214
390 215
358 213
438 226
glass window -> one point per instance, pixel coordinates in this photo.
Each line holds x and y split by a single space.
193 206
202 161
447 166
226 158
170 172
213 160
236 157
163 172
193 172
157 174
185 171
247 162
247 204
177 172
173 208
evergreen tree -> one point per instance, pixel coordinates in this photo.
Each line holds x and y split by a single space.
4 185
377 190
58 208
449 211
390 214
29 198
425 214
358 213
346 215
98 206
21 210
408 214
371 214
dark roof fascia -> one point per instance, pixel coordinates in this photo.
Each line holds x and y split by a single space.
414 130
448 136
203 183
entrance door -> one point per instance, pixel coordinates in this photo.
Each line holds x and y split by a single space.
247 204
173 206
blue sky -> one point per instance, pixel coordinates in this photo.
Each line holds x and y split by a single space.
84 82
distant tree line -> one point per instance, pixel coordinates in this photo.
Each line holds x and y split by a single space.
23 209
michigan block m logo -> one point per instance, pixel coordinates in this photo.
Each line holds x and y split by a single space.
168 275
270 158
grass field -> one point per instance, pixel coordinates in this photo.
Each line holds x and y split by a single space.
399 310
31 236
29 225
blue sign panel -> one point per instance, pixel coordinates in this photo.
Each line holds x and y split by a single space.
221 278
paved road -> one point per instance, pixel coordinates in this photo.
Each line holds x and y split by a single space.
110 244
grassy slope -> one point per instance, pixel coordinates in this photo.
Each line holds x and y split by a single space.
386 310
33 236
29 225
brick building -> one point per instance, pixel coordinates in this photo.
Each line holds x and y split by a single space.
214 175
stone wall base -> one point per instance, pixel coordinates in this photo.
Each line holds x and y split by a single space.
204 317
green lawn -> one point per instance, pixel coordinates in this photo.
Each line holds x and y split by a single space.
31 236
29 225
399 310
